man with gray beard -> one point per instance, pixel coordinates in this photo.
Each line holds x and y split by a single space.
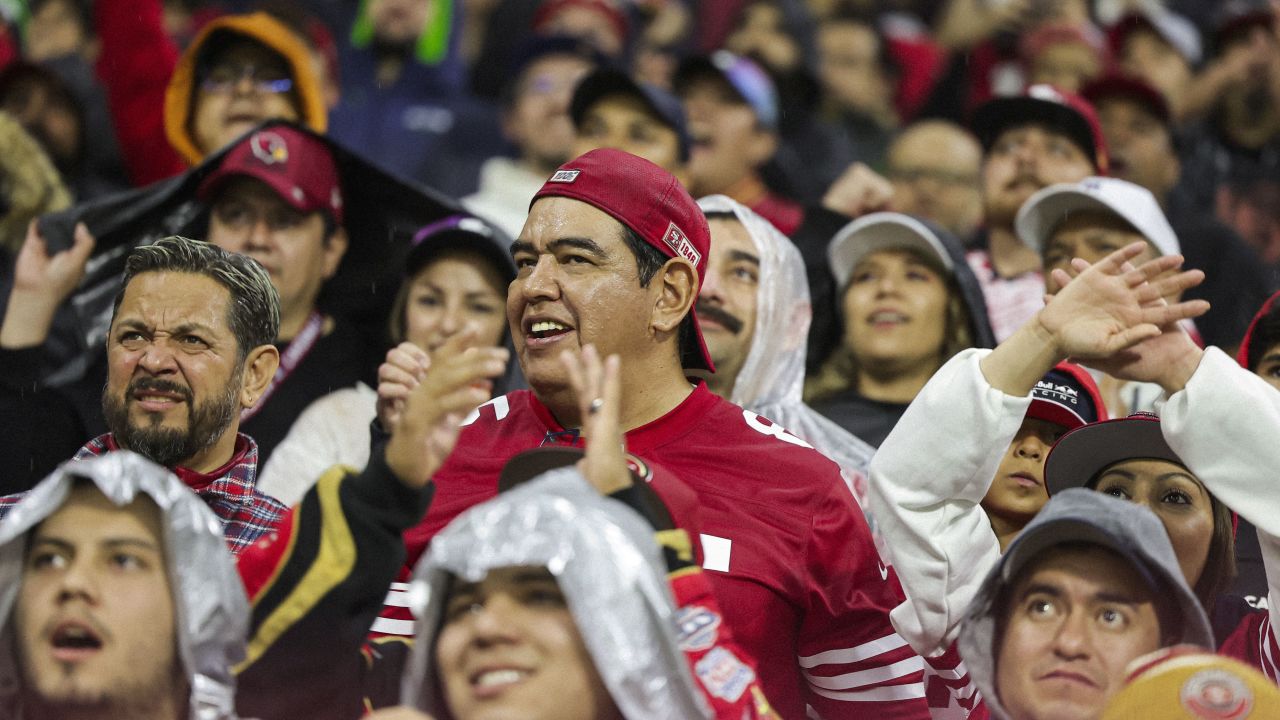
189 348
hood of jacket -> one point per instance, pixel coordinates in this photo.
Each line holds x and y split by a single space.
211 610
1251 347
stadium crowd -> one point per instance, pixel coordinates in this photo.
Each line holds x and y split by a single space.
644 359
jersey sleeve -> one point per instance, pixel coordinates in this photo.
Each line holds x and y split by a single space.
854 664
315 588
928 479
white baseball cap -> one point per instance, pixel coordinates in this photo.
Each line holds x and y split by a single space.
1134 204
883 231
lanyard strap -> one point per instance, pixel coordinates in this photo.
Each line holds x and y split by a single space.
303 343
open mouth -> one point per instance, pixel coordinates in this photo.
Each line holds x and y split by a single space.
887 318
493 682
73 641
541 332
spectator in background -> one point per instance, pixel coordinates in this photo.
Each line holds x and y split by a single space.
1143 146
1029 142
859 77
933 165
602 23
609 109
1162 48
536 121
57 28
1066 56
908 303
733 113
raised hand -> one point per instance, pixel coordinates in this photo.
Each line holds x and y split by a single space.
405 367
460 379
41 282
1110 306
599 395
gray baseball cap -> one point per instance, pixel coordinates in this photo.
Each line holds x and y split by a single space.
884 231
1084 516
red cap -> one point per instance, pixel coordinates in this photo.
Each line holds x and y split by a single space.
610 9
650 201
1065 112
1129 87
297 165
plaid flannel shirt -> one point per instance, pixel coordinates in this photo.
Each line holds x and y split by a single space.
229 491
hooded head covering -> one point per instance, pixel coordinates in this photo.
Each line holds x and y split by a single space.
258 27
1082 516
608 567
772 378
1263 332
209 601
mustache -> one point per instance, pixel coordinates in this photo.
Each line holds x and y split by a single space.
1026 178
144 384
718 315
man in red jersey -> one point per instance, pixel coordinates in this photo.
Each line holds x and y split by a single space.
612 255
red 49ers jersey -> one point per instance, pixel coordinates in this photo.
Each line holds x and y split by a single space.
789 554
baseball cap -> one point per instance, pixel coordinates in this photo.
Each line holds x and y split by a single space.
1065 112
747 79
541 46
650 201
1081 454
1045 210
1186 683
1130 531
1180 33
1036 41
661 104
1129 87
461 231
297 166
1067 396
1238 16
884 231
611 10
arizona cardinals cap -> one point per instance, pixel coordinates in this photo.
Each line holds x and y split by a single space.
297 166
1068 397
1065 112
1045 210
650 201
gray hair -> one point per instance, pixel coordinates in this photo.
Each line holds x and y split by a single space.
254 312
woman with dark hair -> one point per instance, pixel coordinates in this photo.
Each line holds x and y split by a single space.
909 302
1211 452
456 278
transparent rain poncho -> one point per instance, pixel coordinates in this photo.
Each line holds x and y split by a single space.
209 601
609 569
772 378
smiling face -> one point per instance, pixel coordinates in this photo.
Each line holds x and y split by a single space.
221 115
727 301
509 648
454 292
1091 236
175 376
1018 491
624 122
1076 617
94 614
728 143
895 312
1022 160
1176 497
577 282
249 218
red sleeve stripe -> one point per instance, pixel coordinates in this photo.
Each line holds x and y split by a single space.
388 626
844 656
398 595
862 678
888 693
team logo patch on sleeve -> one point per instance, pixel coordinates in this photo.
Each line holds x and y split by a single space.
565 176
698 628
680 245
724 675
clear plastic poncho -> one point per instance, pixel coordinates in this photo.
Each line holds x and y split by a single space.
609 569
772 378
209 601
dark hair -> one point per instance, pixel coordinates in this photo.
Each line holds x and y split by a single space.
649 260
885 58
254 311
1265 335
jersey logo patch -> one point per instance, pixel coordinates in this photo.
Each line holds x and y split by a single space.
698 628
724 675
565 176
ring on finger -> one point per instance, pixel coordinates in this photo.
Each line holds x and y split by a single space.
595 406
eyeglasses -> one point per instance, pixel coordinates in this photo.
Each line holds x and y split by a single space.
223 79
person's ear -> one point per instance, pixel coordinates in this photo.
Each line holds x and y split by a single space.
677 290
259 367
761 146
335 246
